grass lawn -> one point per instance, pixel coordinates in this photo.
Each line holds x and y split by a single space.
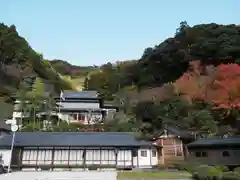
161 175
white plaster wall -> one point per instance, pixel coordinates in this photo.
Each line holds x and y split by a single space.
154 159
6 156
145 162
79 105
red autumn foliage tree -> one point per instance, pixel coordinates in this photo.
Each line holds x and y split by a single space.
190 83
224 92
220 87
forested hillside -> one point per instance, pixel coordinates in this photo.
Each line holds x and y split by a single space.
18 61
212 44
190 80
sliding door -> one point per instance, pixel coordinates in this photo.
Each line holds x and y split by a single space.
36 157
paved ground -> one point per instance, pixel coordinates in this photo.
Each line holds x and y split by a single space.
60 176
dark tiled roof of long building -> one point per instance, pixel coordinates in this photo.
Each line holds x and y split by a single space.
215 142
80 139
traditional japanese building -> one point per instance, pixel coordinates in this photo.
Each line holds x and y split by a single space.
173 141
216 151
77 150
84 107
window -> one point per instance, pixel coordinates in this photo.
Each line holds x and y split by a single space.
81 117
144 153
78 116
204 154
179 150
154 153
37 156
61 157
225 154
134 153
201 154
76 157
198 154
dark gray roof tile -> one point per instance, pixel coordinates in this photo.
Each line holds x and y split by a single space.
213 142
176 131
73 139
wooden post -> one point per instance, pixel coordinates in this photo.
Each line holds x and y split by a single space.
116 155
53 153
132 157
37 157
100 158
137 159
84 158
162 149
150 157
182 150
20 155
175 146
69 157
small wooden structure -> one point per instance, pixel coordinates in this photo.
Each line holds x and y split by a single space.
173 141
216 151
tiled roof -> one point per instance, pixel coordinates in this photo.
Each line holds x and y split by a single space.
83 139
176 131
213 142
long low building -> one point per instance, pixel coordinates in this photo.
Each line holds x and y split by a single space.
50 150
216 151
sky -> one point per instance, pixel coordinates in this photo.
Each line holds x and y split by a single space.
93 32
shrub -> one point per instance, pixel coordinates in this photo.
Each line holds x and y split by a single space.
205 172
237 170
230 176
222 168
189 166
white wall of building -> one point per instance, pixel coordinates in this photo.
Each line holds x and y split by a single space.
145 158
79 105
6 156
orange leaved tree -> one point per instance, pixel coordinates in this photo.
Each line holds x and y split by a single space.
224 91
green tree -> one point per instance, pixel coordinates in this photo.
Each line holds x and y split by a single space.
120 122
23 97
196 116
37 99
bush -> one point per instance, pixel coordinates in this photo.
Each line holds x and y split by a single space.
230 176
205 172
189 166
222 168
237 170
